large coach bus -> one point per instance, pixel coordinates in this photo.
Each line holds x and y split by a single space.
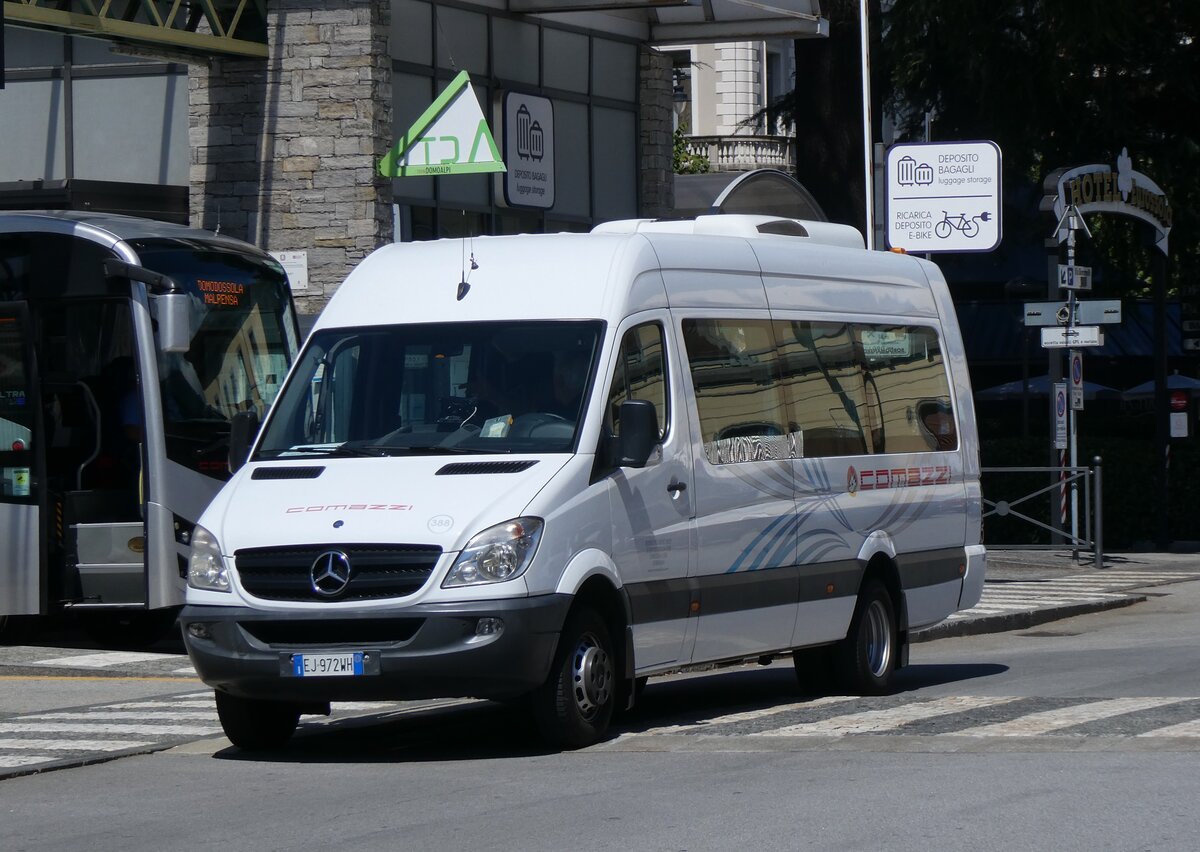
126 348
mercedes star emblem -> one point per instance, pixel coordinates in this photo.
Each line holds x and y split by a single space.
330 573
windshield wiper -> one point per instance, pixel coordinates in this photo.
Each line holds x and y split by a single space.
324 450
436 450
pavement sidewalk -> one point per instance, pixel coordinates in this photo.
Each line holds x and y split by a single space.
1024 588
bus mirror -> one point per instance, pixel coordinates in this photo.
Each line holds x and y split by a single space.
243 429
639 433
172 314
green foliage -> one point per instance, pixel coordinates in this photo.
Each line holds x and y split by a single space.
685 162
1059 85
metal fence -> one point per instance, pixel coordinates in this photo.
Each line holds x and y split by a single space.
1066 511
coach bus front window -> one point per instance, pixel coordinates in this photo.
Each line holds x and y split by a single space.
243 339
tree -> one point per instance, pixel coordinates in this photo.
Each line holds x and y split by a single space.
1056 84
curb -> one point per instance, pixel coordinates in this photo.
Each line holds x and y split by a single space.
1017 620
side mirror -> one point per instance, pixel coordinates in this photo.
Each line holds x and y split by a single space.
243 429
172 313
639 433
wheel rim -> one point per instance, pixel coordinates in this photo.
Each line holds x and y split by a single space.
591 676
879 639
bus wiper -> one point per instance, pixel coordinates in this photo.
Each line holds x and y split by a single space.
435 450
324 450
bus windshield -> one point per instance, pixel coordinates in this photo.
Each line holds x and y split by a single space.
436 389
244 337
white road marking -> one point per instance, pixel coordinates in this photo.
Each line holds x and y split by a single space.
70 745
1045 721
101 728
12 761
1190 728
103 660
105 714
873 721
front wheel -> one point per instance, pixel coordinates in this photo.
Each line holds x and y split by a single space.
865 660
574 706
942 229
254 725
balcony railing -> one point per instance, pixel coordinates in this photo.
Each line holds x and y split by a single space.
745 153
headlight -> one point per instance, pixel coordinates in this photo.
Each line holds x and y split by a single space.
497 554
206 569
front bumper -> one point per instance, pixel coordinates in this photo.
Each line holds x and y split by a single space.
424 651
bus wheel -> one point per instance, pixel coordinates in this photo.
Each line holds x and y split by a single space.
575 705
256 725
865 660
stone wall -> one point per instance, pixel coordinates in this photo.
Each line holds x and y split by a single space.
284 150
656 142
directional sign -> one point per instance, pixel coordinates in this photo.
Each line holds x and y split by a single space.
1080 335
1074 277
1091 312
943 197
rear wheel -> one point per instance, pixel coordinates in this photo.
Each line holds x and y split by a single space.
865 660
254 725
574 706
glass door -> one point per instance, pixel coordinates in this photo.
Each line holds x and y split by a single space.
22 562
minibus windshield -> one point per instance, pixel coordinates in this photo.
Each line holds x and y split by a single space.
436 389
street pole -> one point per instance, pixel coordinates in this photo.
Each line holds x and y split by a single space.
868 150
1072 224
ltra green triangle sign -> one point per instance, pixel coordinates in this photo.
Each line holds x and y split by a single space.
450 138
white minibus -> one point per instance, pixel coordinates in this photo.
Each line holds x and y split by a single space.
546 467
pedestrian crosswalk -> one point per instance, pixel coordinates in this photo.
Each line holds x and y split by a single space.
45 740
144 663
33 742
1093 587
961 718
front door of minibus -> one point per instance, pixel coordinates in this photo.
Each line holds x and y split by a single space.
22 483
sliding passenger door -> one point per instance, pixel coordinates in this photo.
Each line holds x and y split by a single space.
745 571
22 485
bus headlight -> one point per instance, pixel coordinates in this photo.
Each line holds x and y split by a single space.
206 568
500 553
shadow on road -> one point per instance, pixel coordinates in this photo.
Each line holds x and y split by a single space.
489 731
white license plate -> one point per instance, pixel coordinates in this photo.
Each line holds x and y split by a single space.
327 665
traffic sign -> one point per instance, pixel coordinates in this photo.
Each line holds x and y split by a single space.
943 196
1075 359
1091 312
1074 277
1080 335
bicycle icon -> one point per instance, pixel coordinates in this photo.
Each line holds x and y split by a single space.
969 227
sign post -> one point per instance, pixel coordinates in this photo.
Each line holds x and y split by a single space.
943 196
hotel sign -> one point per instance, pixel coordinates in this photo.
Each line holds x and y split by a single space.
1099 189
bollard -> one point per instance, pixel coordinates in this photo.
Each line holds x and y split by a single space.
1099 542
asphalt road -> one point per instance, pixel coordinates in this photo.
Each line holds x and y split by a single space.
1077 734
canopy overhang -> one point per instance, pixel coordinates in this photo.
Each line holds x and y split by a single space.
694 21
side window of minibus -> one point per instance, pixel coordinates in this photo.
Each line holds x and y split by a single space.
907 374
735 369
828 398
641 373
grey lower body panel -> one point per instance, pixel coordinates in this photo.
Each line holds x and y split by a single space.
426 651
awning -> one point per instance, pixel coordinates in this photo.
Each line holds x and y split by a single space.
769 192
690 21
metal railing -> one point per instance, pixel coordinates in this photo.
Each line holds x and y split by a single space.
1063 484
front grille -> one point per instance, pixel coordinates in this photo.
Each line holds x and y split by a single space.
285 573
323 633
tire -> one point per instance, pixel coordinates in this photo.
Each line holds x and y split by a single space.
865 661
942 229
256 725
574 706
